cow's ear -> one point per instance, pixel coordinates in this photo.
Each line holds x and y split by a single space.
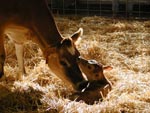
76 37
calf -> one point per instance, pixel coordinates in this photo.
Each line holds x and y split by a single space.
92 69
98 86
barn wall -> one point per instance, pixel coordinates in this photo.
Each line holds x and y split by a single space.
125 8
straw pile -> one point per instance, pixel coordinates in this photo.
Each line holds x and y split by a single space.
123 44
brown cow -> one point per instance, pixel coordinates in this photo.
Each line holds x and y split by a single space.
23 20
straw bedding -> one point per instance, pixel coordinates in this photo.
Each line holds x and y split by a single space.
125 45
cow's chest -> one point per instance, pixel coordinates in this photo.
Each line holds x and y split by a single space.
18 34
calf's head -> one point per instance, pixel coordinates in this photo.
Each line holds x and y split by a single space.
62 60
92 69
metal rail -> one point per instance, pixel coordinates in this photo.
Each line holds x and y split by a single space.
126 8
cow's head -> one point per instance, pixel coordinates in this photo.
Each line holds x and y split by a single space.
62 61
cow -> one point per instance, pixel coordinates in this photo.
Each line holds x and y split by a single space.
23 20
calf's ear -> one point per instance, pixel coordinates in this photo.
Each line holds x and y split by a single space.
76 37
107 68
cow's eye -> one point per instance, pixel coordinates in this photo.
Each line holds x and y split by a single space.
63 63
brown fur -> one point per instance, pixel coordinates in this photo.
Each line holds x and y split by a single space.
21 20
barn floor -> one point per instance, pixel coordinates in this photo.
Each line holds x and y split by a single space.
125 45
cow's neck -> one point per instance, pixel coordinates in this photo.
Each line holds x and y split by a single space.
48 31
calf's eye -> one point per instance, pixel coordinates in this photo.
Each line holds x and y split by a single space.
96 75
89 67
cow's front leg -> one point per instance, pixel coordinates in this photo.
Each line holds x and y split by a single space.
20 59
2 55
